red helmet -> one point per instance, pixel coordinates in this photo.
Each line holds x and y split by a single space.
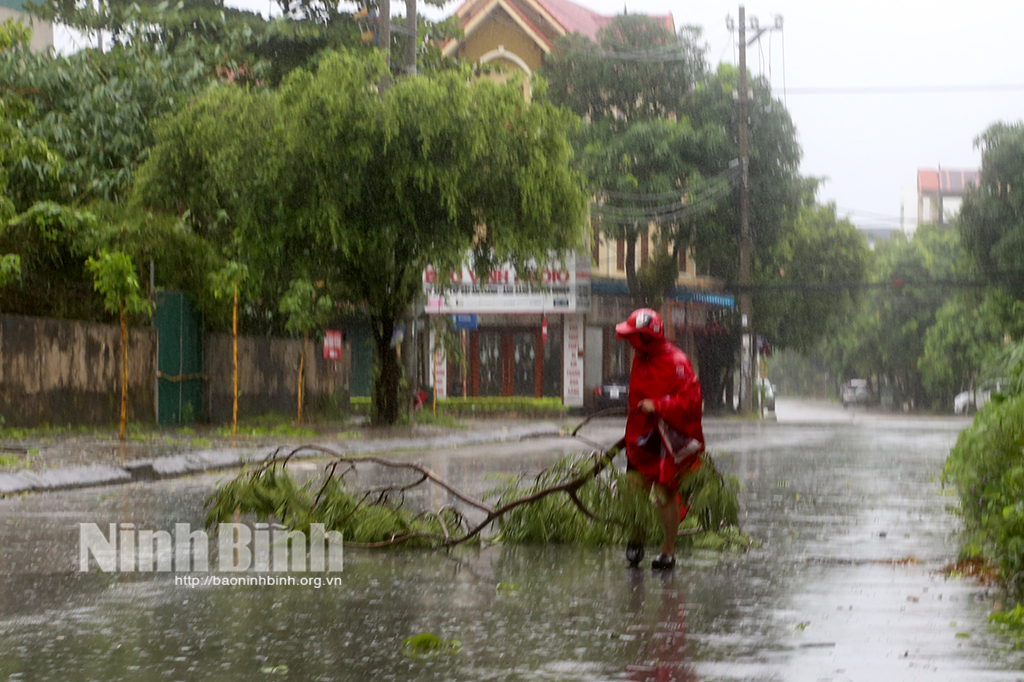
642 321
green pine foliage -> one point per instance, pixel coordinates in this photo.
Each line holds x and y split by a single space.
272 494
610 507
618 504
618 509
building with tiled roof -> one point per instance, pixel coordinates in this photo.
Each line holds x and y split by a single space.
518 33
934 185
563 344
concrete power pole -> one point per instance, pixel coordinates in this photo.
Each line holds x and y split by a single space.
746 360
410 31
412 43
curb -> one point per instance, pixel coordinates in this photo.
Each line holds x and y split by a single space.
176 466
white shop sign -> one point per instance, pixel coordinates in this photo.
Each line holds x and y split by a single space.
572 362
501 291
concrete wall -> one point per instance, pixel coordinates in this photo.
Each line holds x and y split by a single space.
65 372
42 31
268 376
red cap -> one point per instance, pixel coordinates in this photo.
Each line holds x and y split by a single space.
642 321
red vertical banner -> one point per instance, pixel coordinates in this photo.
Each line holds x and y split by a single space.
544 329
333 344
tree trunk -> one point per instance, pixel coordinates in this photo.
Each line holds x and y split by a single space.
234 366
386 408
124 372
302 374
631 281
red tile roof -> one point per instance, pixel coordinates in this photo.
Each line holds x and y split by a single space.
575 18
945 181
571 17
578 19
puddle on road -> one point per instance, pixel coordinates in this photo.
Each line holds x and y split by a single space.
829 594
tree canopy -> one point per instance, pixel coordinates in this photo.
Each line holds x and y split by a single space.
363 191
638 70
992 216
886 336
808 273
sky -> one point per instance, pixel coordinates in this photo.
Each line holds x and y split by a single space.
876 89
870 146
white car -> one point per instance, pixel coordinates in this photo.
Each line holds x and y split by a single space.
856 392
963 403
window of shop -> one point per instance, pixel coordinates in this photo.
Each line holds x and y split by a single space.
489 363
509 362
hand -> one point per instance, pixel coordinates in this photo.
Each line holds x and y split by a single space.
646 406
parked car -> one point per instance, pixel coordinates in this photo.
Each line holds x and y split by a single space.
987 388
612 392
856 392
963 403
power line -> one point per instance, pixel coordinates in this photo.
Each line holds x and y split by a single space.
897 284
697 199
906 89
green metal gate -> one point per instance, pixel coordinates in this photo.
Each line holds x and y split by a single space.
179 392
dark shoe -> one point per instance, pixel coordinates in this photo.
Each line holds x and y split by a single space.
634 553
663 562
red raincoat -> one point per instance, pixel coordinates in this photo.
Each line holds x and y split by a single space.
663 374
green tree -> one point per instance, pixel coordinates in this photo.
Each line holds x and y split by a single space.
991 219
116 280
970 329
306 311
642 154
807 274
365 191
777 191
886 338
10 268
644 178
94 111
52 242
637 70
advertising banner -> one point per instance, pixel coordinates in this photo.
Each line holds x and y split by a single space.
555 289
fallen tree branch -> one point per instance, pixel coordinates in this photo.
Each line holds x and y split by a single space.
271 495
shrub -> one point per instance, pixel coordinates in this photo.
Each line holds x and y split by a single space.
987 468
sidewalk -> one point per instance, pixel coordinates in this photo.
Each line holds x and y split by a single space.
69 460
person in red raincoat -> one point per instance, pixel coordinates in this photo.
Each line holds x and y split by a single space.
664 437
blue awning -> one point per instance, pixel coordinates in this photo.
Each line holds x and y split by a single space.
618 287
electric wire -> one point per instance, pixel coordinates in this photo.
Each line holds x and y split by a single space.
698 200
908 89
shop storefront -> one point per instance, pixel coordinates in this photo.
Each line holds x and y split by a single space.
516 337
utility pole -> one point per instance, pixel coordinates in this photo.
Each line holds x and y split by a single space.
384 44
412 43
746 360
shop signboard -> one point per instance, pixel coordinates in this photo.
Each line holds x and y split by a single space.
466 322
334 345
554 289
572 365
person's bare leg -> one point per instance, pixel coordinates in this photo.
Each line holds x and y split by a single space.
635 547
668 514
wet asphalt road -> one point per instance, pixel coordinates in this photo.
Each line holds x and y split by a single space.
845 583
